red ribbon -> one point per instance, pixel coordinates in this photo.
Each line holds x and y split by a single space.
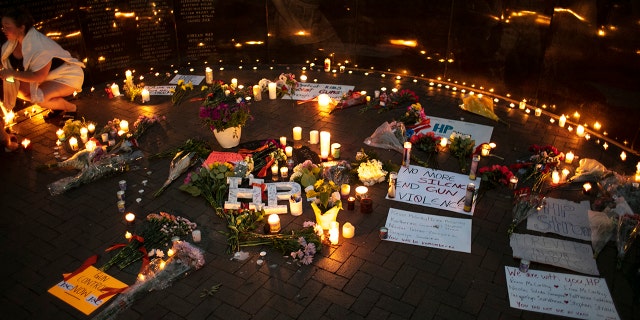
145 258
263 171
87 263
110 292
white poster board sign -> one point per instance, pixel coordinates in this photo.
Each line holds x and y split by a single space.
187 77
560 253
445 127
563 217
561 294
160 90
308 91
433 188
429 230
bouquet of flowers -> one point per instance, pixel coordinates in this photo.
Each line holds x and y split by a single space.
427 142
626 232
371 172
239 223
461 147
540 165
525 204
285 84
224 107
325 194
396 99
306 173
159 274
181 91
414 115
156 235
495 175
210 182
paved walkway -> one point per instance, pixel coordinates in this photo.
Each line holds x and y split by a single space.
43 236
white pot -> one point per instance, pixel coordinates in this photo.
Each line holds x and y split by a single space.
228 138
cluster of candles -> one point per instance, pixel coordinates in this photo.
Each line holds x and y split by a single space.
348 230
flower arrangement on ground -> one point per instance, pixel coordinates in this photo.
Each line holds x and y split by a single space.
371 172
224 107
414 115
461 147
395 99
156 235
363 157
539 166
286 84
181 91
495 175
209 182
427 142
306 173
525 203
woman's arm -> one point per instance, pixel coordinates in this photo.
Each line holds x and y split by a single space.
27 76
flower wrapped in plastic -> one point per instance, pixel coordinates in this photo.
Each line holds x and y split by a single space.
525 204
461 147
157 275
371 172
389 135
603 226
306 173
626 232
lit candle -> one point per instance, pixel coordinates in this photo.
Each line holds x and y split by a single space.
334 232
325 144
284 172
90 145
274 223
586 187
274 172
568 158
105 137
523 104
597 125
576 115
303 77
257 93
406 154
351 203
565 174
361 191
335 150
562 121
580 131
443 142
84 134
124 125
348 230
288 151
327 65
128 235
486 150
91 127
555 177
538 112
60 134
324 100
623 156
73 143
128 75
146 95
297 133
170 252
208 75
314 136
196 235
130 217
25 143
283 140
234 83
272 90
115 90
345 190
513 183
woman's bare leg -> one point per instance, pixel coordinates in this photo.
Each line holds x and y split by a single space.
54 94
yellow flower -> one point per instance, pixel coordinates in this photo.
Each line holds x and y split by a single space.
190 85
180 82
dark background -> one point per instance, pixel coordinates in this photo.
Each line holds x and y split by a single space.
549 52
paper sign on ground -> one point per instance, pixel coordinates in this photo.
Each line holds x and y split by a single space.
561 294
563 217
433 188
187 78
82 290
307 91
429 230
560 253
160 90
445 127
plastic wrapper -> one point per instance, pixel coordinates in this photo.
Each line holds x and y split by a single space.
338 173
389 135
627 230
589 170
104 167
479 105
603 226
158 275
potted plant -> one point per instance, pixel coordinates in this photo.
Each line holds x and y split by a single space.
225 112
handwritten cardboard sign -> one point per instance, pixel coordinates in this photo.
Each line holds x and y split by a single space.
82 290
307 91
433 188
429 230
160 90
560 253
561 294
563 217
445 127
194 79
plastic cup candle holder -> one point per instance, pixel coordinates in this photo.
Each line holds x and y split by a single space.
274 223
297 133
130 217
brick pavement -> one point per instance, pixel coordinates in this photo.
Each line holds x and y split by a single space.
43 236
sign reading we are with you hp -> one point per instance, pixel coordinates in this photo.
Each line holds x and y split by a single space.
433 188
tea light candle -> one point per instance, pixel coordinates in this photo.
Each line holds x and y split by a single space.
124 125
351 203
325 143
170 252
208 75
60 134
115 90
324 100
274 172
272 90
274 223
580 130
25 143
130 217
283 140
586 188
345 190
597 125
314 137
288 151
486 150
146 95
568 158
523 104
84 134
361 191
284 172
234 83
538 112
334 232
623 156
73 143
348 230
297 133
90 145
562 121
443 142
513 183
335 150
128 235
257 93
565 174
196 235
555 177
